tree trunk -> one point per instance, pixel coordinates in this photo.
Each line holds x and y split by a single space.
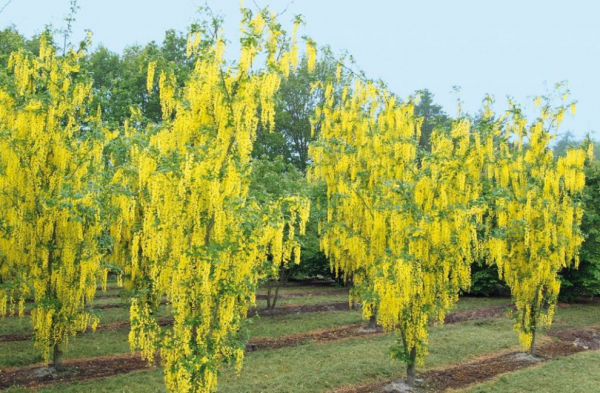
57 360
410 368
532 348
269 286
275 296
372 322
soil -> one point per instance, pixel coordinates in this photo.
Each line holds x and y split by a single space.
122 304
314 282
74 370
109 288
358 330
587 300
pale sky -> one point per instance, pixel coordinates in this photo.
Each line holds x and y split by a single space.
519 48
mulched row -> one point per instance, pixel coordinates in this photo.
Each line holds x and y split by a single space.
74 370
278 310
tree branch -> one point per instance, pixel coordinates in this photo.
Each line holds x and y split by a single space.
5 5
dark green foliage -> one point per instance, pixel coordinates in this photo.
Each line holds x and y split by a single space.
11 41
433 116
273 179
485 281
120 80
585 281
313 263
295 106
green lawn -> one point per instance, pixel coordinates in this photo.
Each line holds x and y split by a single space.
320 367
579 373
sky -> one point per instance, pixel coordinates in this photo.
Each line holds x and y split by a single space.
517 48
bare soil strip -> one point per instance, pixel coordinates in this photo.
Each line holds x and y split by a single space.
279 310
296 309
74 370
122 304
460 376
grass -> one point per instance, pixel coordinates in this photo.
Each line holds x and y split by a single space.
306 289
314 367
575 316
317 368
574 374
470 303
334 297
284 325
21 353
150 381
12 325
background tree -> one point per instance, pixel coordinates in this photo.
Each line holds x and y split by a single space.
432 114
300 93
120 81
295 104
50 194
12 41
584 280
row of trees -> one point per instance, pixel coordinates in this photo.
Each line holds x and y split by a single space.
164 202
408 219
185 174
119 83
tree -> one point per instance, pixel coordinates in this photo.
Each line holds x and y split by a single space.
584 280
12 41
49 194
296 100
432 114
203 241
120 81
401 220
535 214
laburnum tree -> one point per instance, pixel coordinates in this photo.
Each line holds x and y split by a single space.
51 144
534 214
204 242
400 219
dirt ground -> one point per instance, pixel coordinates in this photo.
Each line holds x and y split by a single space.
74 370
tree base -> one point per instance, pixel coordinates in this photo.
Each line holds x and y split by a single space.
401 386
